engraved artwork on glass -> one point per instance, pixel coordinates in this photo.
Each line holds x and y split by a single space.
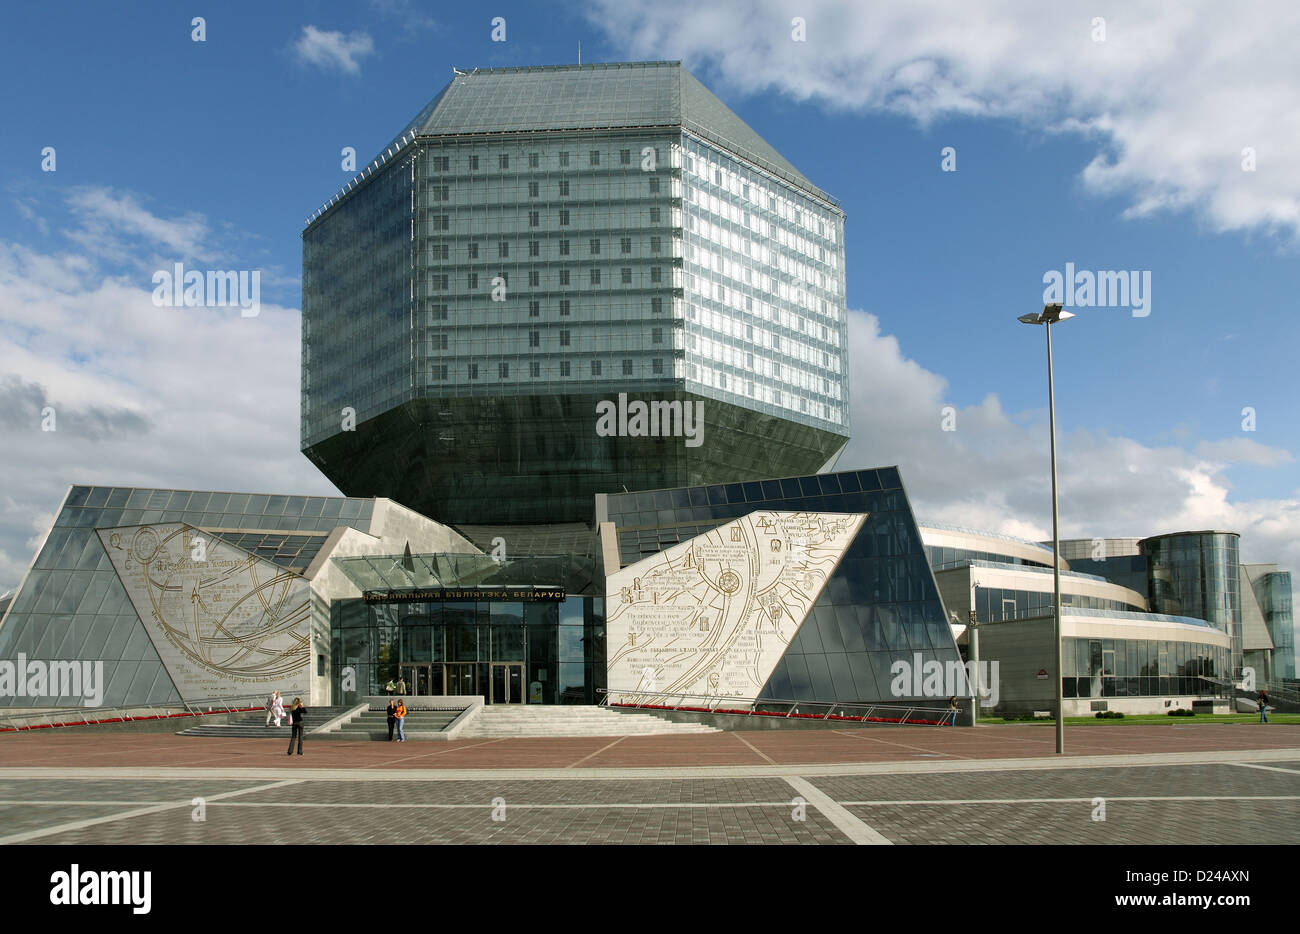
224 622
711 616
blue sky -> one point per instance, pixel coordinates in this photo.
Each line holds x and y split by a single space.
1118 154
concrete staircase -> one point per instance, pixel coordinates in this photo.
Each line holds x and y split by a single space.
253 725
501 720
373 725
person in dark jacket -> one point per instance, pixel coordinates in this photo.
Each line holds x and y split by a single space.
392 719
296 715
1262 704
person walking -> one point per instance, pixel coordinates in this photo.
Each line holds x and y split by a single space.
400 715
392 719
270 707
1262 704
401 685
954 708
390 687
296 715
277 708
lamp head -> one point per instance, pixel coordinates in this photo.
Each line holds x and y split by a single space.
1051 314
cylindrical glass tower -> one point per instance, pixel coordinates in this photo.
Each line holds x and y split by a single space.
1273 591
1197 574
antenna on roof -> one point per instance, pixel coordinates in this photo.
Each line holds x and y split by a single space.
457 71
579 51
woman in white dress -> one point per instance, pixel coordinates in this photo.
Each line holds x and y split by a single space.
277 710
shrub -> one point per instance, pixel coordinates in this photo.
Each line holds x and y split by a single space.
1109 715
1182 712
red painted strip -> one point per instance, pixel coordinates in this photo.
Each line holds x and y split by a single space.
774 713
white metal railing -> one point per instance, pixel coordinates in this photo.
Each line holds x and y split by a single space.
802 709
88 716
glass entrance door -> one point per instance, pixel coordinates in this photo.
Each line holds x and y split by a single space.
418 680
460 678
405 679
507 684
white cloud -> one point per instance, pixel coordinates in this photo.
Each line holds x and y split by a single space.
411 18
197 398
1242 451
114 228
333 49
992 471
121 213
1171 97
27 207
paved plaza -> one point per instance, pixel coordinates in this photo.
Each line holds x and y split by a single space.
1203 784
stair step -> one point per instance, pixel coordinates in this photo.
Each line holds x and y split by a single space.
546 721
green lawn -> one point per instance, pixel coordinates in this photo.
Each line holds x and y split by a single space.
1249 718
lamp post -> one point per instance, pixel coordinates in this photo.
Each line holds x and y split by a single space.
974 654
1054 314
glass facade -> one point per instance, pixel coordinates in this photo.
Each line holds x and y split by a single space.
766 324
540 240
72 605
995 604
1197 574
358 305
1126 570
1273 591
508 651
879 606
941 558
1140 667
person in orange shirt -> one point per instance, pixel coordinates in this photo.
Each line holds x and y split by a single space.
400 713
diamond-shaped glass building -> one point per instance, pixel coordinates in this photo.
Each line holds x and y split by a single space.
539 241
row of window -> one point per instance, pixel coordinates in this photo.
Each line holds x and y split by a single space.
438 311
564 216
769 394
781 373
438 249
726 234
439 340
439 372
1174 686
712 292
995 604
942 557
534 159
739 259
731 180
729 330
563 189
441 281
1097 658
775 340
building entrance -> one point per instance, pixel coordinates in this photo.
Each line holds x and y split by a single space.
463 678
423 680
498 682
507 652
507 684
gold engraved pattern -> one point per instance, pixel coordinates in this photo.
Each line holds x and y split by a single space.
224 625
712 616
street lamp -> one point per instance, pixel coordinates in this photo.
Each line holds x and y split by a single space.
1050 315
